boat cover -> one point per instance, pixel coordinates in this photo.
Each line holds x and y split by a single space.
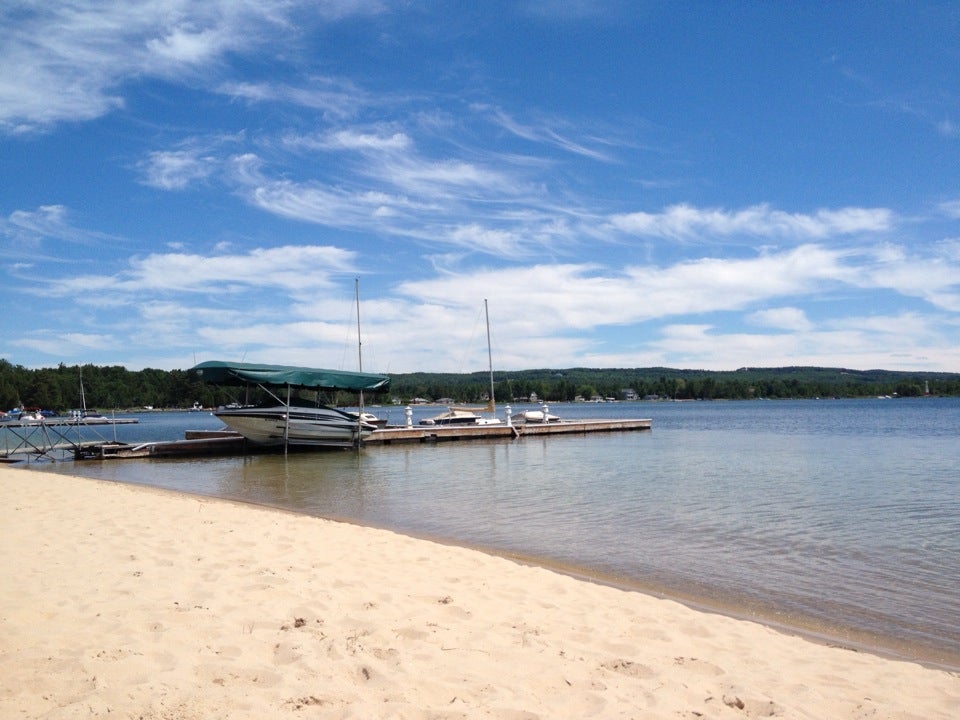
218 372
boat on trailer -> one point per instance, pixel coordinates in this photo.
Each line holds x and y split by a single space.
282 423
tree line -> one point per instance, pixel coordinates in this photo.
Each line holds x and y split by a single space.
674 384
115 387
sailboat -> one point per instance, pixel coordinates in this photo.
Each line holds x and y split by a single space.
85 417
361 415
467 415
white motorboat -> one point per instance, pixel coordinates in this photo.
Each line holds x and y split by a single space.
458 416
319 426
285 424
368 417
30 416
535 416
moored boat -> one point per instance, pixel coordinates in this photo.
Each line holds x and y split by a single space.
461 416
285 423
319 426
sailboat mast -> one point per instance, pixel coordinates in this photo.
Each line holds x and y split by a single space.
356 289
486 311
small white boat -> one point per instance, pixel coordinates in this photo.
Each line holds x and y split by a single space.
30 416
369 418
456 416
535 416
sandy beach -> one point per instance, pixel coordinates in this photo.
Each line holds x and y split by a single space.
129 602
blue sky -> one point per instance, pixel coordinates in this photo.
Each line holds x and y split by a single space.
630 184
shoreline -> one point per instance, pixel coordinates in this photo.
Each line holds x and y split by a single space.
137 601
702 599
811 628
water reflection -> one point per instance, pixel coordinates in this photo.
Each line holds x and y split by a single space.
843 511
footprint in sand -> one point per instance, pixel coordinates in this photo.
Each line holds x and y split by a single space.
628 668
701 667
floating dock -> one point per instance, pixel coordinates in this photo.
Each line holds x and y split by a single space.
227 442
440 433
198 443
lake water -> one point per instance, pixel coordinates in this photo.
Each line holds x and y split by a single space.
836 517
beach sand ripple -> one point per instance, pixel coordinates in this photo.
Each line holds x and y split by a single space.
129 602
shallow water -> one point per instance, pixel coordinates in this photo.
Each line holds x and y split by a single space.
839 516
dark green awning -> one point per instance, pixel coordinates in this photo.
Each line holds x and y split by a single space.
218 372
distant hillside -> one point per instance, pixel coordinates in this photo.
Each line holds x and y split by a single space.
116 387
661 383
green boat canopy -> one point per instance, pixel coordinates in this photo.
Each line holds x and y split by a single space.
218 372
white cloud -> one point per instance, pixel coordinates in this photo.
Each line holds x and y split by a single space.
933 276
905 342
176 169
784 318
327 205
410 197
335 98
188 46
682 222
47 222
69 343
543 134
350 139
68 61
948 128
951 208
565 297
292 269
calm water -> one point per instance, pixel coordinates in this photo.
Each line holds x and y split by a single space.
840 516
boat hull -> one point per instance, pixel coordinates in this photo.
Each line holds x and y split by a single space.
307 426
459 418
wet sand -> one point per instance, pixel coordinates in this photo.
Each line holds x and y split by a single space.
125 601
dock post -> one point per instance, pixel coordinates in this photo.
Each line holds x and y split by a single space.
509 412
408 412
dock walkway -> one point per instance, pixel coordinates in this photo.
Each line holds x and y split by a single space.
227 442
438 433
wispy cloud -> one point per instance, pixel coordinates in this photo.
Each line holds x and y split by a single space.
542 133
30 228
933 275
293 269
568 296
684 222
783 318
176 169
948 128
951 208
359 139
336 98
389 188
69 61
699 346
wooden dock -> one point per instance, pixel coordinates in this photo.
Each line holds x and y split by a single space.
196 443
227 442
441 433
